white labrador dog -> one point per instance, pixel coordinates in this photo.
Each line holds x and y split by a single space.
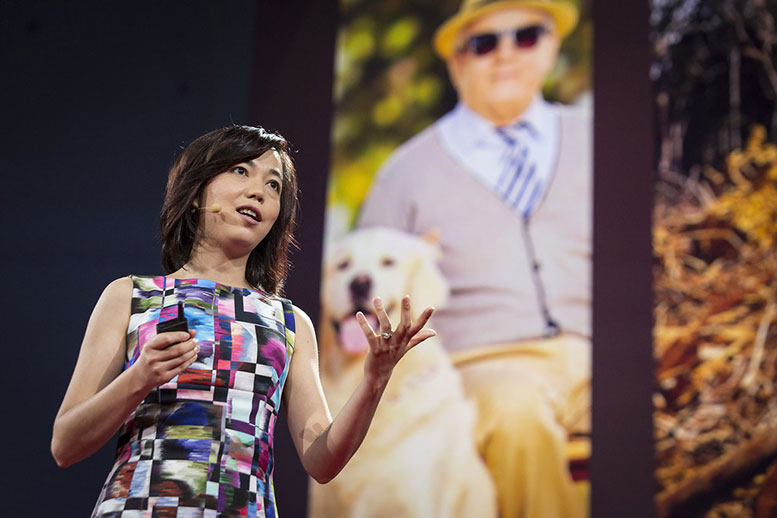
419 458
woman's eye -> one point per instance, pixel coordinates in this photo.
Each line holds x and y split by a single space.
240 170
275 185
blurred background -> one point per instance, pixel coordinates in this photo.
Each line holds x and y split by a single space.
714 76
389 85
98 98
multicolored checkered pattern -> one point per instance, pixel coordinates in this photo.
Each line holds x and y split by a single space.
202 444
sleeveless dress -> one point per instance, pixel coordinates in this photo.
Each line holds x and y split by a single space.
202 444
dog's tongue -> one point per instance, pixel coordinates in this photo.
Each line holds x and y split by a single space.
351 336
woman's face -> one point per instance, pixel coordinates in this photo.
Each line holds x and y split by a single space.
249 194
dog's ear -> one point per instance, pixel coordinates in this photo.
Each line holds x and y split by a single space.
432 236
426 284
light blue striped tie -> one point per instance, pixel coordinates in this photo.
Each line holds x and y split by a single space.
519 185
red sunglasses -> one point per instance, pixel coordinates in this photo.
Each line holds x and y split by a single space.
524 37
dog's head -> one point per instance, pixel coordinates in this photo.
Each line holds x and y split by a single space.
378 262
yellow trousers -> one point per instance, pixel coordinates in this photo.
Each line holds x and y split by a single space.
530 396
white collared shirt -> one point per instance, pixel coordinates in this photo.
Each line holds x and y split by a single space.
477 145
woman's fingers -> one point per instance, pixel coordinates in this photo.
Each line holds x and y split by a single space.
168 351
380 313
369 333
407 335
165 370
417 332
421 322
165 340
177 350
405 318
166 355
420 337
180 363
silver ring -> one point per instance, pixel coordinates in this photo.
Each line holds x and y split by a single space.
386 336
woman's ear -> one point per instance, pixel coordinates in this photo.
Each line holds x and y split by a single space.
196 201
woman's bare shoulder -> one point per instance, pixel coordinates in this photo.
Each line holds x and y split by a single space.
301 317
304 330
114 304
118 291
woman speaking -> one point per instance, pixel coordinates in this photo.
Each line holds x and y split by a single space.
192 366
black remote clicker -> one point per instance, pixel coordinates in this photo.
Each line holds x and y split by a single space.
174 324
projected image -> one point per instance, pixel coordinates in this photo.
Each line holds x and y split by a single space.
715 278
462 176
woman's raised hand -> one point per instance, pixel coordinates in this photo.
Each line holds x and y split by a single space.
387 345
166 355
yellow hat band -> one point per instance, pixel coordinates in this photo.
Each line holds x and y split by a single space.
564 14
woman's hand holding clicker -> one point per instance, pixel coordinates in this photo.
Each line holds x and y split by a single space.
387 346
165 356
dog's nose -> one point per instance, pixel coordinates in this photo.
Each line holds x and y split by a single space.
360 287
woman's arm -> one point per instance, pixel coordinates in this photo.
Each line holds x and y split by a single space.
100 396
325 445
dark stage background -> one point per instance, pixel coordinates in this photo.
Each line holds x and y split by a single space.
96 100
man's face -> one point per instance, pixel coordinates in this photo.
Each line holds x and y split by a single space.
500 84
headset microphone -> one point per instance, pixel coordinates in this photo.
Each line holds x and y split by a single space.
215 208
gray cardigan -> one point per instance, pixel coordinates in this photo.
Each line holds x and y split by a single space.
484 252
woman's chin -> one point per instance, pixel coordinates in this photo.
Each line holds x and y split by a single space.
238 247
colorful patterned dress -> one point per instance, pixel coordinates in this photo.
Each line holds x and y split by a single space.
202 444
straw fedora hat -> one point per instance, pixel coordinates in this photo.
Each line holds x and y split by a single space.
563 12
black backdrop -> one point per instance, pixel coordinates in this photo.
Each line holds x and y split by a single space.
97 98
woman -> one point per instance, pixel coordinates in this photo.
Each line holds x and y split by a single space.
197 407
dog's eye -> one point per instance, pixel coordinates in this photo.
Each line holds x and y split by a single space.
342 265
387 261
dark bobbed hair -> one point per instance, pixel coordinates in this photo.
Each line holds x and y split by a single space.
209 156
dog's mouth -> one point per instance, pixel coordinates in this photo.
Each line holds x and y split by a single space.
350 334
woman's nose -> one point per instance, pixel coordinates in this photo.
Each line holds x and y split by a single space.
256 191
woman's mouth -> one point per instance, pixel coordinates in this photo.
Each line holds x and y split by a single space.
251 214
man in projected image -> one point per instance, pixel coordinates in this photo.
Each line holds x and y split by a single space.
505 178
